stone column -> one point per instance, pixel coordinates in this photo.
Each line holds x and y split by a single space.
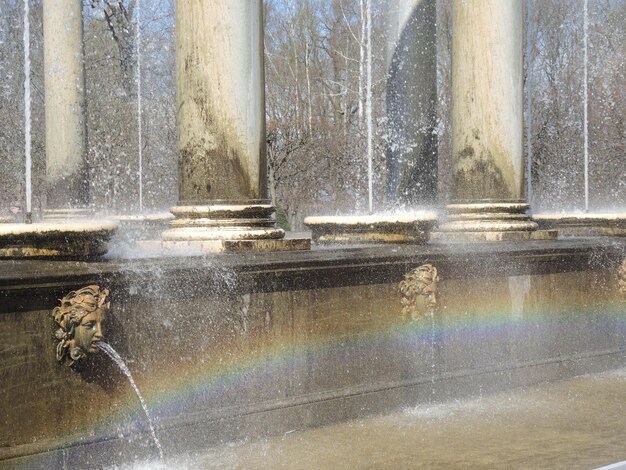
487 116
67 178
221 123
411 103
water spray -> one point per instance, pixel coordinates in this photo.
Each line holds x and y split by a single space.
586 105
139 124
368 105
27 138
529 116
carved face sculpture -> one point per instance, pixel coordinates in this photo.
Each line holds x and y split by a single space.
89 332
429 293
419 291
80 321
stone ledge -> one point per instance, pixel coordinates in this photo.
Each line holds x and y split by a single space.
584 224
591 231
80 239
322 266
494 236
202 247
244 246
374 228
368 238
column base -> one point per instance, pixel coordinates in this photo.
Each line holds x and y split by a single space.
227 228
201 223
497 221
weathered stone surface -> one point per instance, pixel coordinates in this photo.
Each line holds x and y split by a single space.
220 100
222 222
488 174
76 240
375 228
493 236
584 224
221 127
243 345
492 218
243 245
67 178
487 100
285 244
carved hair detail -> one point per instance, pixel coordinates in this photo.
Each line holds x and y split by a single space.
74 306
420 282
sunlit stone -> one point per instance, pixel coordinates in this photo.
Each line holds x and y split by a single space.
375 228
75 240
584 224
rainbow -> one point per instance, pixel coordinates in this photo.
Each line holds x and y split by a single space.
175 390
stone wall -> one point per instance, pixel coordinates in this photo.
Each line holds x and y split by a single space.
241 346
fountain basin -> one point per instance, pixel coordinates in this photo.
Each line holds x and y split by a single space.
374 228
76 240
575 417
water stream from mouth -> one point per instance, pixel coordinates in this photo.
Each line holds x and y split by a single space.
115 357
